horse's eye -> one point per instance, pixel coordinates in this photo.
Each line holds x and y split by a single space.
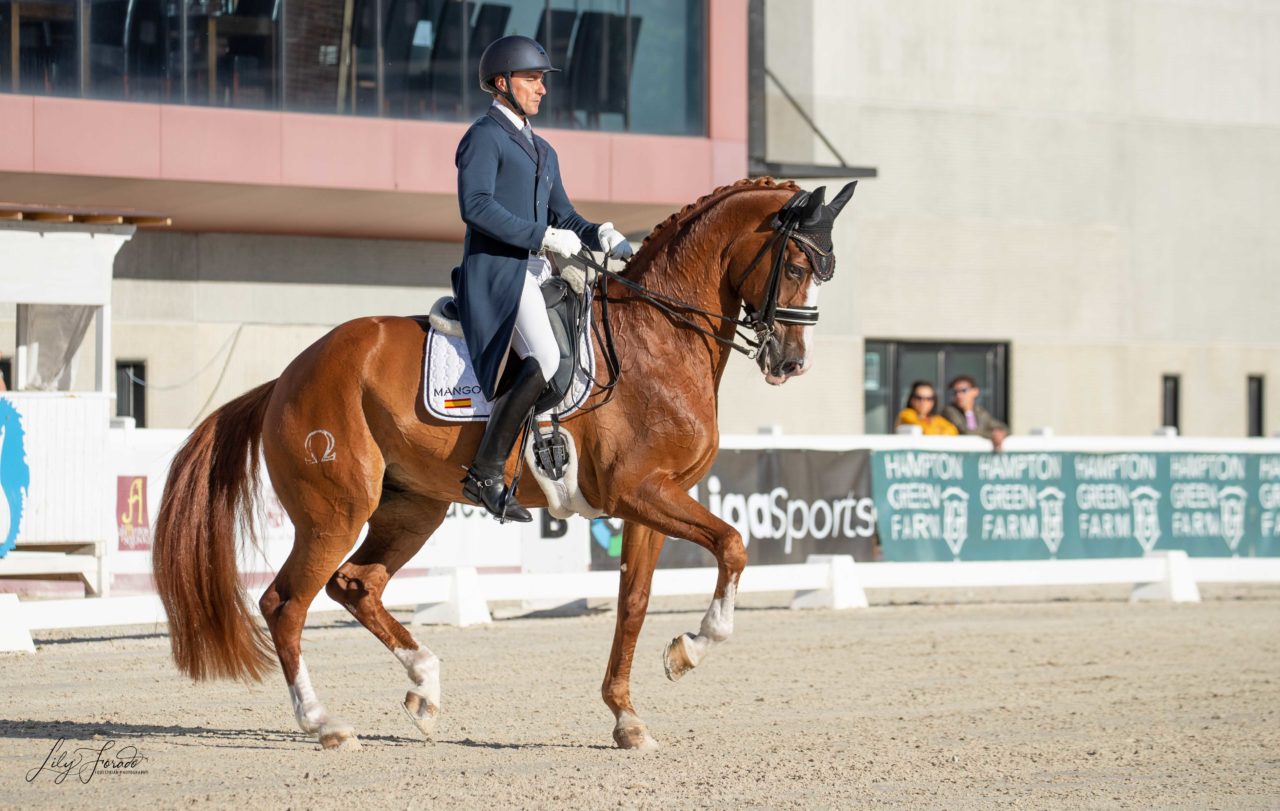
794 271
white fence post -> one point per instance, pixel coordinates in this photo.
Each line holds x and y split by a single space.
843 589
1178 584
466 604
14 633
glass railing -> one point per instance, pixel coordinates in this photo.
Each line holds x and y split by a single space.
629 65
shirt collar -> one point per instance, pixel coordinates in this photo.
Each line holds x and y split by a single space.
511 116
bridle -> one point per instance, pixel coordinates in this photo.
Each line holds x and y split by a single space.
804 219
759 320
821 264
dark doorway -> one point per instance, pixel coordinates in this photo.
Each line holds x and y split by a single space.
890 367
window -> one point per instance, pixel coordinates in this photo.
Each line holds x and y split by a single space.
627 65
131 390
890 367
134 49
1169 401
40 47
1253 396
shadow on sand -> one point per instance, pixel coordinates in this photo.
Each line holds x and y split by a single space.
228 738
179 735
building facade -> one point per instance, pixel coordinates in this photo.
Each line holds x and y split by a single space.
1071 202
1075 199
304 152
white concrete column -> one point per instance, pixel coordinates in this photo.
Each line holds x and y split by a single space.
104 367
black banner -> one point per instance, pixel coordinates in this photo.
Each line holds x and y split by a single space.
787 505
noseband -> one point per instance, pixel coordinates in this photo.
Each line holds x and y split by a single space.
762 320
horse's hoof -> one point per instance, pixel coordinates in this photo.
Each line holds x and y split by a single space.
677 658
634 737
421 712
342 738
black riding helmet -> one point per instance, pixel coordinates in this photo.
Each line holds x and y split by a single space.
511 55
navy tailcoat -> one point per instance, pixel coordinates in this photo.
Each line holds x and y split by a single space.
509 193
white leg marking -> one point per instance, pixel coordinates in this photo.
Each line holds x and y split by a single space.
717 625
306 707
423 667
631 733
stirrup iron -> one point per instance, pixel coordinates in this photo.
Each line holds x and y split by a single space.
551 451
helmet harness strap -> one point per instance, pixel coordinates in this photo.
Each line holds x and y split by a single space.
511 97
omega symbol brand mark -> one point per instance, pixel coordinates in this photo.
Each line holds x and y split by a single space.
310 447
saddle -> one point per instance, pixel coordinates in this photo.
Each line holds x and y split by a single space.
565 309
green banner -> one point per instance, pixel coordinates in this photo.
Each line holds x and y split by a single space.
1026 506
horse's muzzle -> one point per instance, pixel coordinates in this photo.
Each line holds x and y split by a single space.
782 372
775 364
778 362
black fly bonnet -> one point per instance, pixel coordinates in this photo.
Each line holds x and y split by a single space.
808 220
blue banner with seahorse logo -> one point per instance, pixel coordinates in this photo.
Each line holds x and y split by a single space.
15 476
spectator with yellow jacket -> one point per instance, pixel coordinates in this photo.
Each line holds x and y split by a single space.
919 411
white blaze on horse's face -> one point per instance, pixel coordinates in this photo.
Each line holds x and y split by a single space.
810 300
790 353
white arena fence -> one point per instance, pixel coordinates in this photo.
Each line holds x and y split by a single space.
462 596
70 526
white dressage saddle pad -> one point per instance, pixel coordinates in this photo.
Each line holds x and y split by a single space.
453 393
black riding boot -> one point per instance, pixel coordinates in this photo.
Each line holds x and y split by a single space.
484 483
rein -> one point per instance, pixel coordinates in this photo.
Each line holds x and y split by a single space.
669 306
804 219
760 321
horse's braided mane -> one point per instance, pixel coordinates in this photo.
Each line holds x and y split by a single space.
671 225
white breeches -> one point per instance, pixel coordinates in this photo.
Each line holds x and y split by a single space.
533 337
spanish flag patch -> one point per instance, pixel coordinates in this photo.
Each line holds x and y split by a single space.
458 402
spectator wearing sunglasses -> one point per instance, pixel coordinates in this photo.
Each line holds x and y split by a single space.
919 411
971 418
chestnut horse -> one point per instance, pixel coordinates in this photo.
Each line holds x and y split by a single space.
391 465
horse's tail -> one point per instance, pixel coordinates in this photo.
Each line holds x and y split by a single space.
210 492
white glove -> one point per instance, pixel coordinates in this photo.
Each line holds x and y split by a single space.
561 241
615 244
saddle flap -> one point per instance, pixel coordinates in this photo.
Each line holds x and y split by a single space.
563 310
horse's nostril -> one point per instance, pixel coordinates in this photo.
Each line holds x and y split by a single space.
790 367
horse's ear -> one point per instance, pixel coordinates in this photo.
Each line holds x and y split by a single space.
816 199
842 198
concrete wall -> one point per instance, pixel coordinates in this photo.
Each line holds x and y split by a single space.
1093 181
216 314
1089 180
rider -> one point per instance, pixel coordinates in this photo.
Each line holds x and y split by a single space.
515 208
